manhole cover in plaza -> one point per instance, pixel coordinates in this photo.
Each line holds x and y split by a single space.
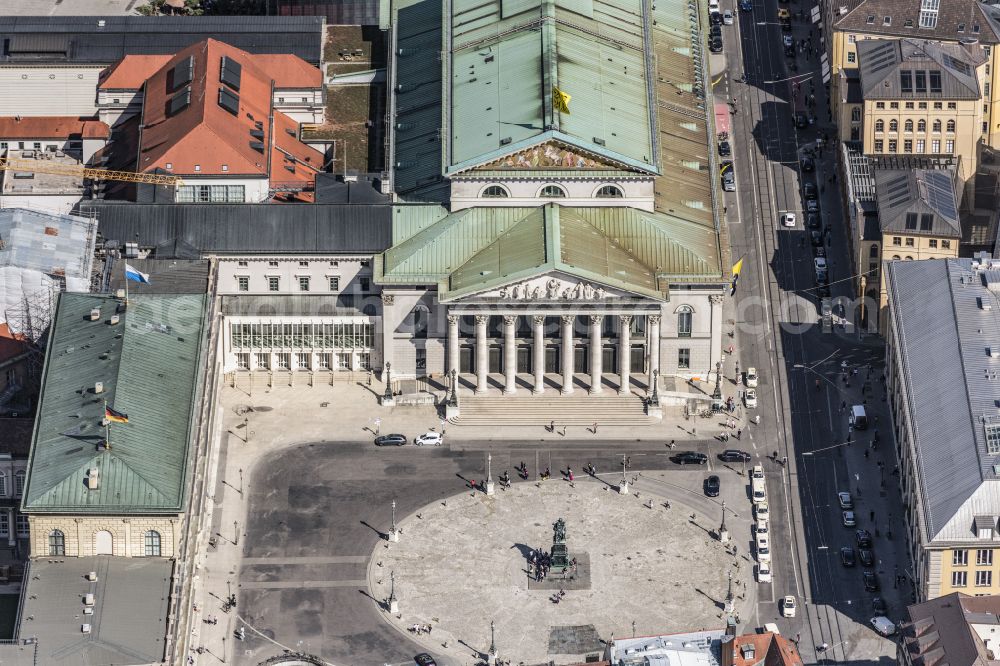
575 639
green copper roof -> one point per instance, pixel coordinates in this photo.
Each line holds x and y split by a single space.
148 363
507 56
481 248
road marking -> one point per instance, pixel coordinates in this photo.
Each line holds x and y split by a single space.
295 584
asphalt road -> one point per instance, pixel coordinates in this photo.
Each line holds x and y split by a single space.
801 388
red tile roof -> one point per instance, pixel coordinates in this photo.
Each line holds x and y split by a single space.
12 345
769 649
206 135
288 71
52 127
131 72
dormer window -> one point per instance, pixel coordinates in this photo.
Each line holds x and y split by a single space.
961 27
887 20
871 19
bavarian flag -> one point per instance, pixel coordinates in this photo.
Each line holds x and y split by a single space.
115 417
737 267
560 100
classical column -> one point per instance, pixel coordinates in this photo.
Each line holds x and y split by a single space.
510 354
596 353
567 352
624 352
654 344
715 351
538 352
453 355
482 353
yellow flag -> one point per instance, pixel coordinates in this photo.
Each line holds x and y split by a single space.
737 267
560 100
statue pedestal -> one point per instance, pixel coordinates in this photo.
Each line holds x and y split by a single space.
490 487
724 536
491 657
388 401
394 606
451 411
623 487
394 536
655 410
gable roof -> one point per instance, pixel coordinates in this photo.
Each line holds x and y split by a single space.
882 61
478 249
185 125
918 202
507 58
148 363
287 71
939 630
53 127
904 18
131 72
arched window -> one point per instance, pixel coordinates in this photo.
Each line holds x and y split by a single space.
609 192
921 125
552 192
895 257
908 125
418 321
909 258
685 314
936 127
879 125
873 250
152 543
893 125
950 126
856 114
495 192
3 484
19 483
57 543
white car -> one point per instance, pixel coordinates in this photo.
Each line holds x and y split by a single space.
764 571
787 40
788 220
820 264
763 546
727 17
760 527
751 378
750 399
788 606
757 472
429 439
760 509
883 625
845 500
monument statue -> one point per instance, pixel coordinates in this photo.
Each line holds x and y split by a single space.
560 554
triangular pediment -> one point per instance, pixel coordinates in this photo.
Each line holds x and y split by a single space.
551 155
551 287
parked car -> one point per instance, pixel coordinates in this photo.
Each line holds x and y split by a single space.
727 17
788 219
788 606
729 181
863 538
714 18
690 458
715 46
763 546
867 557
715 32
725 150
429 439
819 263
757 472
812 205
712 486
761 526
844 498
761 511
807 164
819 251
813 221
809 190
883 625
871 581
787 40
424 659
734 455
848 519
750 378
746 6
847 556
750 398
394 439
764 571
816 238
879 606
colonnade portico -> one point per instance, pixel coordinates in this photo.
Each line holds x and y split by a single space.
566 341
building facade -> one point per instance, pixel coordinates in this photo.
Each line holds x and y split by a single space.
942 333
956 628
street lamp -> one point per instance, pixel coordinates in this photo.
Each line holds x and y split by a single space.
623 484
493 643
717 393
393 532
655 398
453 400
387 395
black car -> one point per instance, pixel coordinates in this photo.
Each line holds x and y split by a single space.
871 581
879 607
816 238
715 32
715 45
867 557
809 190
424 659
734 455
863 538
712 486
819 251
690 458
812 205
801 120
790 51
813 220
715 18
847 556
390 440
808 164
725 150
823 291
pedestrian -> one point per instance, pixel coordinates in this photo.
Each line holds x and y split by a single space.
472 483
871 516
552 426
866 453
739 433
595 427
628 462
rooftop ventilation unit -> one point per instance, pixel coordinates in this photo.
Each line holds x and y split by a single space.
93 480
92 576
88 599
85 628
114 319
98 387
984 303
95 314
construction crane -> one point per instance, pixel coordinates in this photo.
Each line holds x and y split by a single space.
60 169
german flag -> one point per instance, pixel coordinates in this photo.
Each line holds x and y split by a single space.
737 269
115 417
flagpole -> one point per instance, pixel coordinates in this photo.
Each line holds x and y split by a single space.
125 274
107 428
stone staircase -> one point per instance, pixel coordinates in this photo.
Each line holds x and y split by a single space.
540 410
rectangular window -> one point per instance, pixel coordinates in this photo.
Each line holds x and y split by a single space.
922 105
949 146
852 56
302 361
19 484
959 578
983 578
4 524
334 283
937 105
683 358
907 146
243 361
908 105
986 90
303 283
909 242
897 240
365 361
926 221
893 145
263 361
911 220
243 283
893 105
906 81
992 429
304 264
920 81
946 245
986 127
959 557
952 105
920 145
273 282
984 557
879 145
936 146
323 361
283 361
364 283
879 105
344 361
932 243
22 526
851 39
